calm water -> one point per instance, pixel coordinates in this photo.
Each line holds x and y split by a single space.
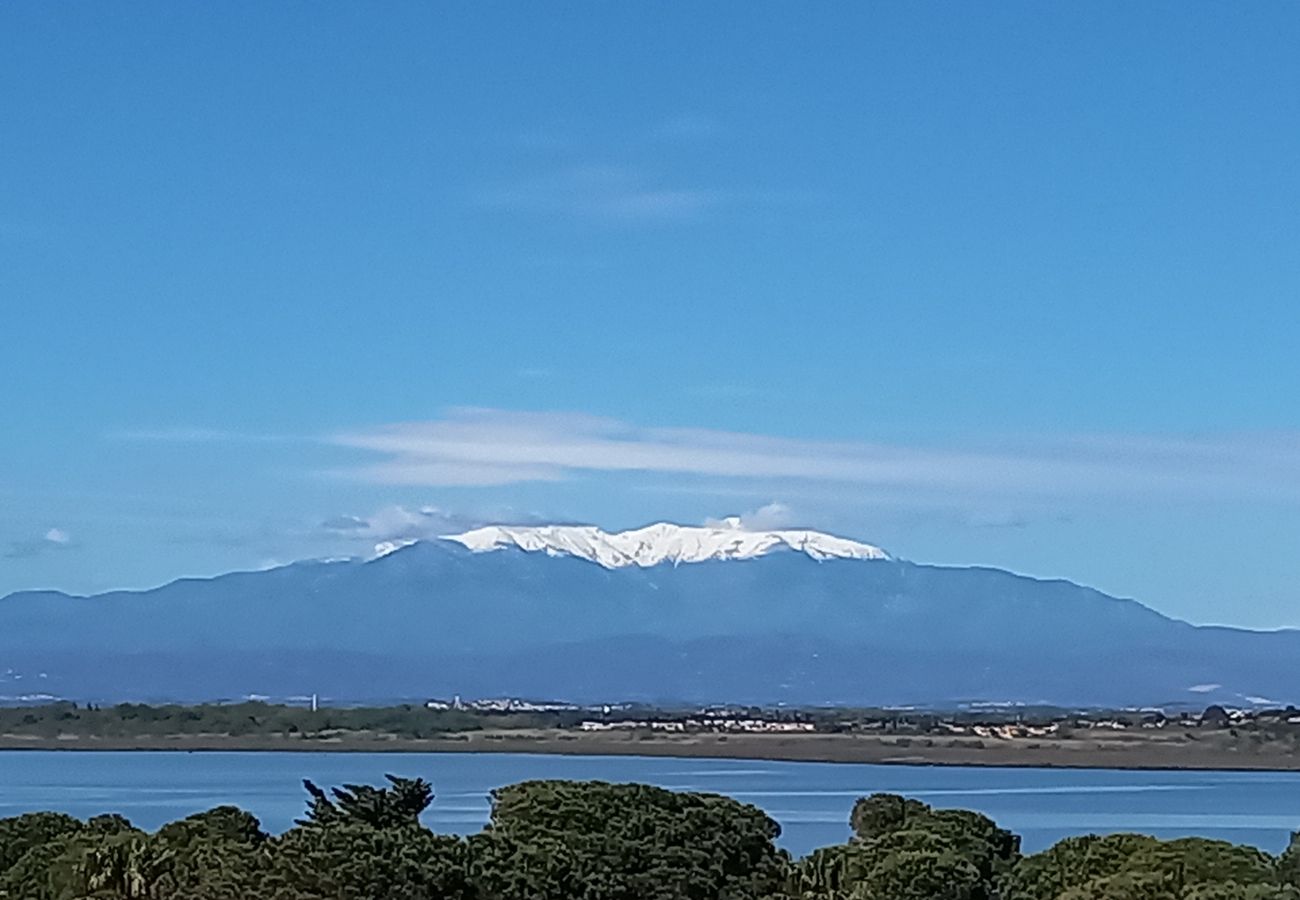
810 800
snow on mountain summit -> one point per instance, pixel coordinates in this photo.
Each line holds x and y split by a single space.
662 542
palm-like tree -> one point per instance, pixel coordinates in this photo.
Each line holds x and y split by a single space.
131 868
397 805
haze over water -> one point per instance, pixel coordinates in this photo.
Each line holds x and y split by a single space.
810 800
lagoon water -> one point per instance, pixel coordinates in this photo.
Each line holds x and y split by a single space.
810 800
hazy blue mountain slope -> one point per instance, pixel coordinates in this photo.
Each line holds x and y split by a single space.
435 618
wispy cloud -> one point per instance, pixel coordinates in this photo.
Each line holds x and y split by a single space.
195 435
767 517
346 525
1000 480
54 539
396 523
616 193
495 447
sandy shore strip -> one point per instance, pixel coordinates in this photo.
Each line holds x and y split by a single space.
1087 750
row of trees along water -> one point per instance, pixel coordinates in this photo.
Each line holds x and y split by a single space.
562 840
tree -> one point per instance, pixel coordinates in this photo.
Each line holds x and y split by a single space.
221 823
598 841
1233 891
44 872
1288 864
356 842
401 803
19 834
563 840
1070 863
910 860
880 813
220 854
1137 867
893 835
1187 862
920 875
1124 886
356 861
124 865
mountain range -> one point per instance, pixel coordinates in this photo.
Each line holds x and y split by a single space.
663 613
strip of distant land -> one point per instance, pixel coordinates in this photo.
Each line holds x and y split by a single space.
1214 739
1081 750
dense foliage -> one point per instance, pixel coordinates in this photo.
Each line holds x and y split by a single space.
555 839
904 849
1136 867
560 840
256 719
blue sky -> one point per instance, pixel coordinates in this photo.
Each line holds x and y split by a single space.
1008 284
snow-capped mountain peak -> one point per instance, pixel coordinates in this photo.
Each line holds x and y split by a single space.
662 542
383 548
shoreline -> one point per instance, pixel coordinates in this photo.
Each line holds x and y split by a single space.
1089 752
